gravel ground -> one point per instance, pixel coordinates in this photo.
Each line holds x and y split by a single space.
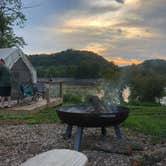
20 142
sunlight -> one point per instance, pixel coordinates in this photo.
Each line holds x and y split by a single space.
98 22
121 61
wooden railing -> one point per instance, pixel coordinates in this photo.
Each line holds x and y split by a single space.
54 88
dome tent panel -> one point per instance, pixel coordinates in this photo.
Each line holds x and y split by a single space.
21 69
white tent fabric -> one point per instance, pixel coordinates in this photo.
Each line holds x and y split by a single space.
11 56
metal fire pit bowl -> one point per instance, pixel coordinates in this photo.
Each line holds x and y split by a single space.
84 115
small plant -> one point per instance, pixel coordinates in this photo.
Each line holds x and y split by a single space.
70 98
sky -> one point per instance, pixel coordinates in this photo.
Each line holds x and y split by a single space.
122 31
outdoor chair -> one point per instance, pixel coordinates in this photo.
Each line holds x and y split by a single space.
27 91
32 92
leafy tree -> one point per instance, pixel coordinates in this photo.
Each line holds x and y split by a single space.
110 72
88 70
11 15
146 85
71 70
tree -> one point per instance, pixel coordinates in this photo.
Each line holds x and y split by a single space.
110 72
146 85
88 69
11 15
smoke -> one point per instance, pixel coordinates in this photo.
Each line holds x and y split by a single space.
111 93
113 90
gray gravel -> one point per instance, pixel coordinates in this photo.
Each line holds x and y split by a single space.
20 142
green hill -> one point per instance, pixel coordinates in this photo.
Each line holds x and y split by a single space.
155 65
148 67
72 63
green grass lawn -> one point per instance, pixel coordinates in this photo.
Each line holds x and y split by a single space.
149 120
47 115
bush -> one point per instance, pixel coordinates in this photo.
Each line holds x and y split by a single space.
70 98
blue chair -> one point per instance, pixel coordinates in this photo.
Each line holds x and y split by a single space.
27 91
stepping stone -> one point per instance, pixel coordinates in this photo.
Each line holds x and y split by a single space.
58 157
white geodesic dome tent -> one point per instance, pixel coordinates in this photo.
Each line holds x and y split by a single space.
21 69
12 55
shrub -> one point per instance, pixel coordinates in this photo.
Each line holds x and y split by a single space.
70 98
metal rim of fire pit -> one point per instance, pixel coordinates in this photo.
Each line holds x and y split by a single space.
86 118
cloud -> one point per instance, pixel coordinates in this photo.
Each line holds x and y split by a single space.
87 22
161 56
95 47
128 31
120 1
136 32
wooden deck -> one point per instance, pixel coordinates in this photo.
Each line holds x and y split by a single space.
41 104
32 107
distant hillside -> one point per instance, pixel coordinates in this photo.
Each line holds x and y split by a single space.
68 57
153 66
72 63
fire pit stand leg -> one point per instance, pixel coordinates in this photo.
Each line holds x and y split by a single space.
78 138
118 132
103 131
68 131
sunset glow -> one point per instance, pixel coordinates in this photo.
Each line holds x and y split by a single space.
121 61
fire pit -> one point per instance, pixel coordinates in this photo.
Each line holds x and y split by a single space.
94 114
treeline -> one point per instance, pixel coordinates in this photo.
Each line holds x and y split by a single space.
147 81
73 63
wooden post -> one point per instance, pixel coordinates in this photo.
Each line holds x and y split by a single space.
47 95
60 90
